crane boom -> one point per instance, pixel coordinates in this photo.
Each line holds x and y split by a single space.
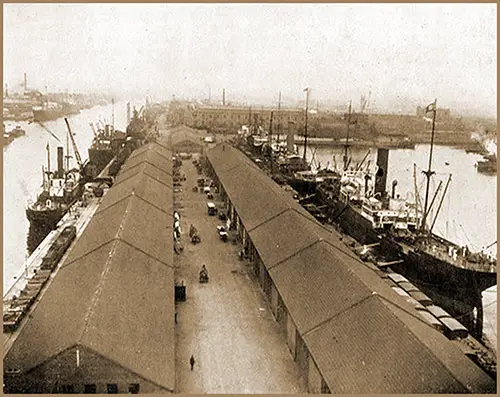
75 148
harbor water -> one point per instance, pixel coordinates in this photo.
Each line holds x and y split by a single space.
23 159
468 214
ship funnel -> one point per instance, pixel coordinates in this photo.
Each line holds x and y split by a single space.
367 179
394 183
381 176
60 160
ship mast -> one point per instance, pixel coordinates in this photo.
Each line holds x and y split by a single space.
305 126
346 146
433 108
271 141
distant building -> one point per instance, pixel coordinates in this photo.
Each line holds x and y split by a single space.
234 117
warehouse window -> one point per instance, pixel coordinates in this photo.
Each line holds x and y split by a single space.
67 389
112 388
133 388
89 389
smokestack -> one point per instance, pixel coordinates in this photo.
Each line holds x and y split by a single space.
25 82
367 178
6 90
394 183
289 138
223 97
60 159
128 113
381 177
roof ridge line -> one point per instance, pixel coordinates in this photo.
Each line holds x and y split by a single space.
148 162
145 253
295 253
64 264
145 172
267 220
338 314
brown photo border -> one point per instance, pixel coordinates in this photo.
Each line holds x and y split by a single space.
235 2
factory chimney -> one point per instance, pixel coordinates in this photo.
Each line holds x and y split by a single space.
25 82
6 90
223 97
381 176
128 113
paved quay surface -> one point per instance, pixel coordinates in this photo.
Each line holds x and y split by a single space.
226 324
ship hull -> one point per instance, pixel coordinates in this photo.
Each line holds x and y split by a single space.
418 266
100 158
45 218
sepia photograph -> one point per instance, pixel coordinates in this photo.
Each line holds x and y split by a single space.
249 198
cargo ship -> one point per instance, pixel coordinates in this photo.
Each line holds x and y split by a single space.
52 111
105 146
400 234
61 188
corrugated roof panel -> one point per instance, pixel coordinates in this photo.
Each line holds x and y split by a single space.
452 357
142 186
131 322
152 157
370 351
316 285
57 322
102 228
148 230
146 169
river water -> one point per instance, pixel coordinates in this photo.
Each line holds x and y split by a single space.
22 172
468 214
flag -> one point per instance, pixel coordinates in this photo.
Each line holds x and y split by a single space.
47 147
306 89
431 107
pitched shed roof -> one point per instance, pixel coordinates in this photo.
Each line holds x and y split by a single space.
338 304
257 200
114 292
132 221
141 185
117 301
319 282
145 169
385 354
154 157
287 234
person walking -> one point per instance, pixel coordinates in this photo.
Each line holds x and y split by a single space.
191 362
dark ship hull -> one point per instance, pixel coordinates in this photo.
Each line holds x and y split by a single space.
46 218
48 114
100 158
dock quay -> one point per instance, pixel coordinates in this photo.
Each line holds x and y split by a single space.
289 307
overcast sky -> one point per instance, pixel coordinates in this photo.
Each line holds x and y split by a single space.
404 54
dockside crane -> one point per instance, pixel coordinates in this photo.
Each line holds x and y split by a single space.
75 148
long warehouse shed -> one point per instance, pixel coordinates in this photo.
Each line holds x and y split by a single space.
106 323
346 328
